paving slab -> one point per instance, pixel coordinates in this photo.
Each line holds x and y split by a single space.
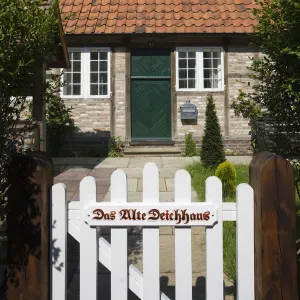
162 185
113 162
244 160
82 161
133 172
60 160
178 162
168 172
132 185
139 162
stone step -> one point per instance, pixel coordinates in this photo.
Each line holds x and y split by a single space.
133 151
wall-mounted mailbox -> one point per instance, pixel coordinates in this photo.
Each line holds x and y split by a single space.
188 111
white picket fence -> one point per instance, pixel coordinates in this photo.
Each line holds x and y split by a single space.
76 219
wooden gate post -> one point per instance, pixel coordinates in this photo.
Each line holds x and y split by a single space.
28 222
272 179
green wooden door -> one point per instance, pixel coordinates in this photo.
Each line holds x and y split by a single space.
150 95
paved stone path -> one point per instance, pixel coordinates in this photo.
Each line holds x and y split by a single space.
72 170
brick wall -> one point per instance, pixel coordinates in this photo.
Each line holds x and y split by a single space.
120 92
239 145
239 59
92 116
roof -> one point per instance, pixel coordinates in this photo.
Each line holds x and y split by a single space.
157 16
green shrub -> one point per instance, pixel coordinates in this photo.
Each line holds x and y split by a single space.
212 147
59 121
189 145
227 174
115 147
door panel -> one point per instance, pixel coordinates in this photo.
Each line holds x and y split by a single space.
150 94
150 109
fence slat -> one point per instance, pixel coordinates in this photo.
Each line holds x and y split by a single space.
151 288
119 266
183 241
88 243
58 253
245 242
214 243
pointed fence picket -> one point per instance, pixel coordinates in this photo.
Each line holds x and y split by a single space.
183 240
74 218
151 236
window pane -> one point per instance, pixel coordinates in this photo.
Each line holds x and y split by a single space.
67 77
182 63
182 54
76 89
216 83
103 65
216 54
94 89
94 66
76 66
67 89
192 54
103 55
192 73
207 73
215 73
76 78
192 63
103 77
94 55
94 77
207 63
182 74
217 63
207 84
207 54
182 84
192 83
103 89
76 56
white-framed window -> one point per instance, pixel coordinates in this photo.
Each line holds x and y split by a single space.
89 75
199 69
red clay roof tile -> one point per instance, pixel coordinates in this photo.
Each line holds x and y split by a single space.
161 16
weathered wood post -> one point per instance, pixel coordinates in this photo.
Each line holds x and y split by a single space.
272 179
28 228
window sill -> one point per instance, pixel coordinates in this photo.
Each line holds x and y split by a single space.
202 92
85 98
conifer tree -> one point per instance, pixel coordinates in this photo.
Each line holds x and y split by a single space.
212 148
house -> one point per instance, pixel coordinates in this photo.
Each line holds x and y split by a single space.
134 63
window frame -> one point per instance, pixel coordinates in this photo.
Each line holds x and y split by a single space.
199 86
85 73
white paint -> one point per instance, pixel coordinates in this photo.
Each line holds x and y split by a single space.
59 225
245 242
151 285
214 243
177 210
119 268
88 243
114 257
183 240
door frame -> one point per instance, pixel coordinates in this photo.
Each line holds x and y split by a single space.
128 137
